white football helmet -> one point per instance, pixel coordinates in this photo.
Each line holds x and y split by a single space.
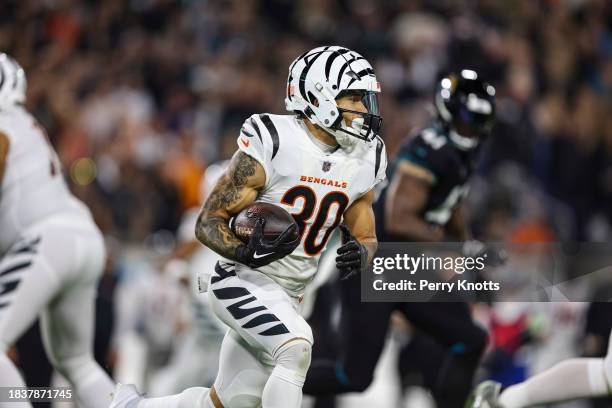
320 76
12 82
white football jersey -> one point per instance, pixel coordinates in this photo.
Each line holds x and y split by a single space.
32 188
316 187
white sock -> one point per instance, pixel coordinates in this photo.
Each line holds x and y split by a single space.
570 379
283 389
10 377
196 397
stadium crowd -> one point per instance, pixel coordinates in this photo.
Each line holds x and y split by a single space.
140 96
151 91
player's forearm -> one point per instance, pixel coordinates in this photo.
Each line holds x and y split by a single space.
371 247
215 233
234 190
460 232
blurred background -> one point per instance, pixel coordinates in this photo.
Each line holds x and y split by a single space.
140 97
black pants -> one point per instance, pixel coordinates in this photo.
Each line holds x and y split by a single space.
458 346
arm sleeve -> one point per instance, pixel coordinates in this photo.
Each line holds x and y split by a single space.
254 141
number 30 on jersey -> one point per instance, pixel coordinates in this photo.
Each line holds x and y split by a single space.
336 201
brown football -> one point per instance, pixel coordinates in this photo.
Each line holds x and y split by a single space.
277 221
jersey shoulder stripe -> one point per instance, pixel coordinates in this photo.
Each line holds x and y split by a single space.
256 127
249 126
379 150
273 133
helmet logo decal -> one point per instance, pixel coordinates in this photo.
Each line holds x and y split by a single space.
346 65
309 64
331 59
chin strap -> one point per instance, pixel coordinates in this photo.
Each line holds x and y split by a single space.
348 136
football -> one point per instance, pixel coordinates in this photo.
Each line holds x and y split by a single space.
277 221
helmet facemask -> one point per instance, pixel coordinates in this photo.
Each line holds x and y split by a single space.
364 127
477 128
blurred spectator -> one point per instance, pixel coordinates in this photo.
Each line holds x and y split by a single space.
140 96
149 90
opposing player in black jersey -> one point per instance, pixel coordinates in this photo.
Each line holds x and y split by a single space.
421 203
430 173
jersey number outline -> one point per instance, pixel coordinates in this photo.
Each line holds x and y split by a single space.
310 202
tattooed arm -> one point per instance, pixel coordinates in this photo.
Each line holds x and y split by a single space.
237 188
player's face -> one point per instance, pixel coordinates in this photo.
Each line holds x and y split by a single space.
352 102
466 130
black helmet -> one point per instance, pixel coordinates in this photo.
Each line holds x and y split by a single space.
465 102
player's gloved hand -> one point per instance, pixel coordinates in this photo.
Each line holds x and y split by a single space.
260 252
352 256
492 256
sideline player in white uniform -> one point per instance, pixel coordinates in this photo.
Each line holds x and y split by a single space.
52 253
321 165
570 379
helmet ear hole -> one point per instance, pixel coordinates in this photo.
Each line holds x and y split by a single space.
313 99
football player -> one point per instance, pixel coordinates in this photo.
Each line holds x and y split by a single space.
321 164
570 379
421 204
52 253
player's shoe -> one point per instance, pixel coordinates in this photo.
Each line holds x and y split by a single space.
485 395
125 396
